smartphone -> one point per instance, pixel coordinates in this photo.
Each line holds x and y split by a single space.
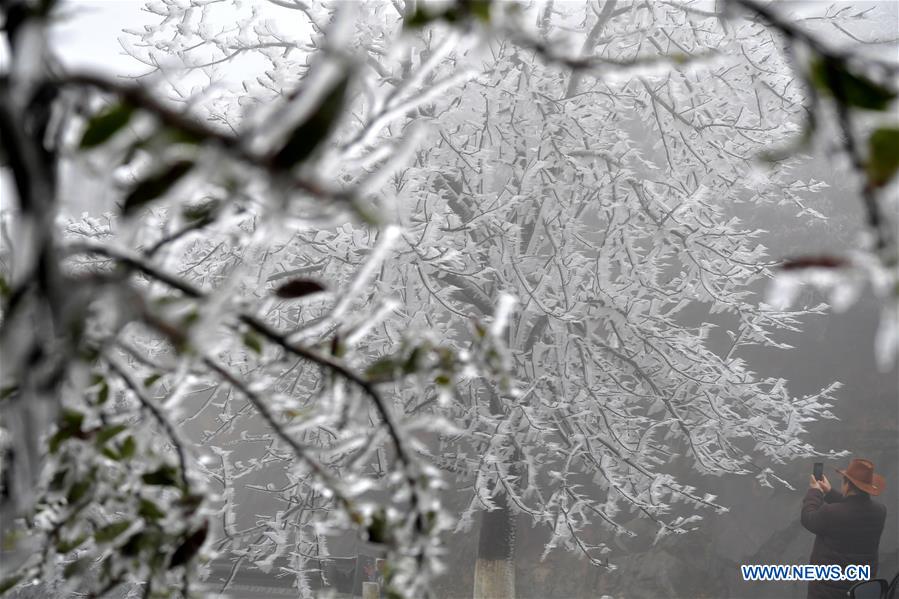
818 470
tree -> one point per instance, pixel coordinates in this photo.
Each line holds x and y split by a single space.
533 181
492 152
603 237
844 88
108 331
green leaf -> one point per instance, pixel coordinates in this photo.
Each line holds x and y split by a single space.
5 289
431 519
77 567
150 539
11 539
45 7
103 394
883 156
252 342
150 380
337 346
379 528
190 546
297 412
149 510
57 439
66 546
165 476
413 363
310 134
447 359
129 446
111 453
420 18
78 490
9 582
108 432
70 426
201 212
191 502
180 136
480 9
190 318
298 288
442 380
834 78
58 480
133 545
105 124
72 419
110 532
383 370
155 185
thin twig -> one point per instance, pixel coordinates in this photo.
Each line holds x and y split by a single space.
233 145
150 405
299 451
273 335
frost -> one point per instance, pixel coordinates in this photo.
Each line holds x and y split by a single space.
528 325
504 308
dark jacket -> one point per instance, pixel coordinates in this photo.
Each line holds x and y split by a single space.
847 531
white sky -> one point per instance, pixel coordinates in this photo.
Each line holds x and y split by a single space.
89 36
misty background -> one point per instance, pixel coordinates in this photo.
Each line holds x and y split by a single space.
763 523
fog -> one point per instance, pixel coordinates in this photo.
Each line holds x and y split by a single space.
762 524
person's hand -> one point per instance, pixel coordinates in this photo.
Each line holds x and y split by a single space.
814 483
824 485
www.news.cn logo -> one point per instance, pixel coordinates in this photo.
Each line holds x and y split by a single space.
806 572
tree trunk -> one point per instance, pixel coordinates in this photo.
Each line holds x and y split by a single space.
494 573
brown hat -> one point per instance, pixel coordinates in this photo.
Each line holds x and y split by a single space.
862 475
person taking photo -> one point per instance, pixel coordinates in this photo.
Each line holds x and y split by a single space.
847 524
